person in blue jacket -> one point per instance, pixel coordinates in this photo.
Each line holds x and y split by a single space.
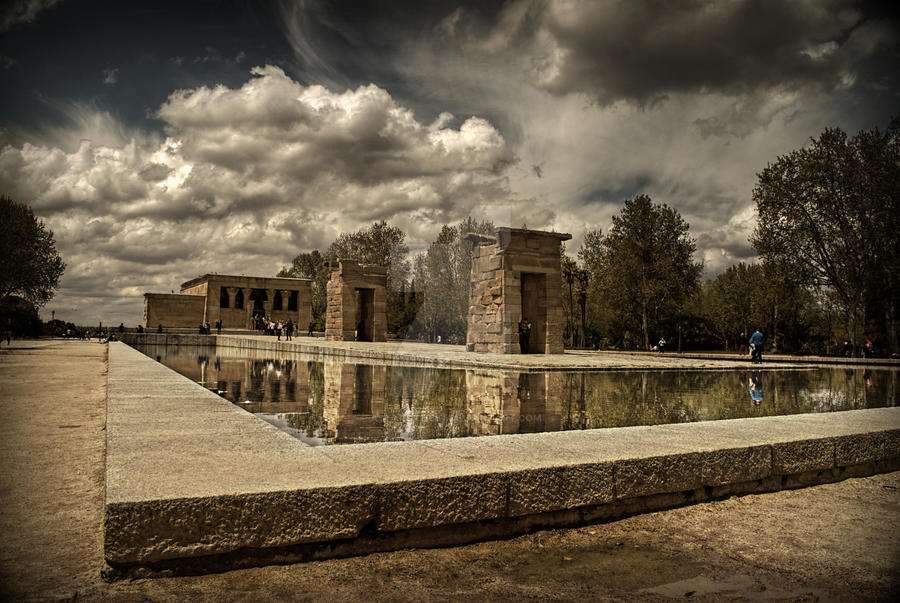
756 341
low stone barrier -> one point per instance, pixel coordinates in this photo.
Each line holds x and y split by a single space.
194 483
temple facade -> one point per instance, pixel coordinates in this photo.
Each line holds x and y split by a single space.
516 274
235 300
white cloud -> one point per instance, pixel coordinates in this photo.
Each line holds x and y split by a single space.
245 179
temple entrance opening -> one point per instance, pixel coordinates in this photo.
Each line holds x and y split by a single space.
534 308
258 297
365 312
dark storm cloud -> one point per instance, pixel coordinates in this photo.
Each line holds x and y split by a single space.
127 57
22 11
644 50
527 112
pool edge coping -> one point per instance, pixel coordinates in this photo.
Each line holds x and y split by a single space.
391 491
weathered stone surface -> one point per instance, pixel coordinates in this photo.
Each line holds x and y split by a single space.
348 281
858 449
431 503
499 266
735 465
800 456
557 488
655 475
168 529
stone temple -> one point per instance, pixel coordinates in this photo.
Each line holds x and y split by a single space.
516 274
235 300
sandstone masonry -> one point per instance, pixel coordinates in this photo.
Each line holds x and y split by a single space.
356 303
235 300
515 274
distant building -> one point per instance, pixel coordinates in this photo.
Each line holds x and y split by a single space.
235 300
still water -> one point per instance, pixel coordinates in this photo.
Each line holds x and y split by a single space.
329 401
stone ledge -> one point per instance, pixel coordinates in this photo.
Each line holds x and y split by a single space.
190 476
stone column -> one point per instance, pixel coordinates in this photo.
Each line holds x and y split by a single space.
248 308
285 296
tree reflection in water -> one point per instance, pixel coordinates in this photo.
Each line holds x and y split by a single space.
423 403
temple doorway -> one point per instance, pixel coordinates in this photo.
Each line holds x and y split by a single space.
258 297
534 308
365 314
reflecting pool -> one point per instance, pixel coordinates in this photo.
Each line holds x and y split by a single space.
323 400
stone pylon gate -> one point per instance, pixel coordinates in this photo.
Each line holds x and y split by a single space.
357 302
514 275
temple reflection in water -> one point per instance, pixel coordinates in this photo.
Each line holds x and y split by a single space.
325 400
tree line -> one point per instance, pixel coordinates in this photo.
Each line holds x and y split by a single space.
826 273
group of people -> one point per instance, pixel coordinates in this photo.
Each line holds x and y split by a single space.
272 327
868 349
753 346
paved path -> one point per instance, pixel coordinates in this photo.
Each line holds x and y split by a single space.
456 355
838 541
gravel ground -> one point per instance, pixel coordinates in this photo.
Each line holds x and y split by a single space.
833 542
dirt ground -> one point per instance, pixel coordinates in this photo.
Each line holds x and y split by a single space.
833 542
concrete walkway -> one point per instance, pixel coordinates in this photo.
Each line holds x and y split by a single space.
837 540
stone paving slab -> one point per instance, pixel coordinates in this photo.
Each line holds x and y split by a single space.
191 475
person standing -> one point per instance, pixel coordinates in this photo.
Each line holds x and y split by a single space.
662 344
869 349
289 329
756 342
218 326
524 335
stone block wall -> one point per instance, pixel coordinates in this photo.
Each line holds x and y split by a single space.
172 310
341 315
504 267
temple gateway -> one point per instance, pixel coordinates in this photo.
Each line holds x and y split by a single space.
235 300
516 275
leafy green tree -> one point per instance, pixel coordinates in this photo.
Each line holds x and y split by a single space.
30 266
445 271
646 264
732 303
574 298
598 319
382 245
830 212
311 265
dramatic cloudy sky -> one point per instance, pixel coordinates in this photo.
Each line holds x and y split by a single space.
164 140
